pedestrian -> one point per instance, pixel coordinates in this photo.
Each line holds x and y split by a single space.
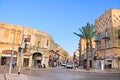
13 64
55 64
39 65
44 66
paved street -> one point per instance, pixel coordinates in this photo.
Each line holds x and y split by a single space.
64 74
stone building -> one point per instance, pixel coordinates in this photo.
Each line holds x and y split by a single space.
83 51
82 48
107 41
37 45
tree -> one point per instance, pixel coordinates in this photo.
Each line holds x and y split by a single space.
117 31
80 56
87 33
91 36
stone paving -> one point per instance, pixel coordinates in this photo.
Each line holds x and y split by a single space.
16 77
2 77
7 76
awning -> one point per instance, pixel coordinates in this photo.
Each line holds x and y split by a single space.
8 55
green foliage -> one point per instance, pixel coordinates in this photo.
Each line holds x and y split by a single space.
87 32
118 32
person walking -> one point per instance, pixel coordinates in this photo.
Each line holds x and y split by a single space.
39 65
13 64
44 66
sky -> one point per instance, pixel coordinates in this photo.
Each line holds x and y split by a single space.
59 18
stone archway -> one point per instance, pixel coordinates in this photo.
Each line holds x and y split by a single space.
37 59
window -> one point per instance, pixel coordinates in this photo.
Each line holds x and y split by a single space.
98 45
107 43
118 42
47 42
6 33
35 36
118 36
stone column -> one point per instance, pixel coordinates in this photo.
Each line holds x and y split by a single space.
113 63
119 64
46 63
43 60
30 61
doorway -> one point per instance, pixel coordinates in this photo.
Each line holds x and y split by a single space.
26 62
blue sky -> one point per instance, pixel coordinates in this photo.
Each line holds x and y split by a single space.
60 18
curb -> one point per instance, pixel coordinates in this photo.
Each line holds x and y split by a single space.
96 71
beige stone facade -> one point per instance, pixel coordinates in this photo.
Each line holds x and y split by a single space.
107 42
38 48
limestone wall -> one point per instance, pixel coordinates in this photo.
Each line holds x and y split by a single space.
8 32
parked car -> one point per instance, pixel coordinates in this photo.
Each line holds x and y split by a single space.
76 65
63 64
69 65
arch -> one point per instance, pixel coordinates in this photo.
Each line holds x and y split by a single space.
36 55
37 59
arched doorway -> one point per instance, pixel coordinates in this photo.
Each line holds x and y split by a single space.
37 59
6 56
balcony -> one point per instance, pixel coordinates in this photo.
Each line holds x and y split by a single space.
106 35
97 39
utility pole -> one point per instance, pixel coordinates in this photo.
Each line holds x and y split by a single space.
22 46
11 60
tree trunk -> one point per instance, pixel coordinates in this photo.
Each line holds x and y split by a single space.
80 60
92 54
87 47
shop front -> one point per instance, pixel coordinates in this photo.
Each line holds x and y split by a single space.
6 56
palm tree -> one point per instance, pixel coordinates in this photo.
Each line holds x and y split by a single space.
91 35
65 56
87 33
80 57
84 35
118 32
